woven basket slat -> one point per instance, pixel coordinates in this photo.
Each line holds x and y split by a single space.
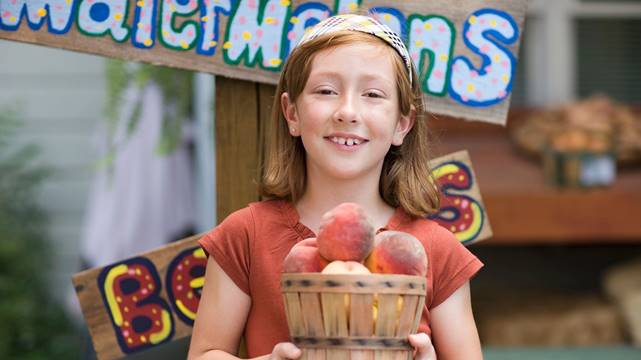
334 314
335 318
290 319
383 355
312 313
419 312
361 319
361 322
408 312
294 307
314 354
362 355
386 321
401 355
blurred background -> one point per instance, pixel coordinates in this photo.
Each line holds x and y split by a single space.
126 163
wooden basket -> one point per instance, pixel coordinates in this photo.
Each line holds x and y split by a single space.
341 317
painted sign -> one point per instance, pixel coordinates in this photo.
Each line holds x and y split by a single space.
152 299
465 51
462 211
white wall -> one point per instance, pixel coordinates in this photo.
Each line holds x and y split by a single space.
61 95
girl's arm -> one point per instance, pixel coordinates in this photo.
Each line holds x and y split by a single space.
220 320
454 332
221 316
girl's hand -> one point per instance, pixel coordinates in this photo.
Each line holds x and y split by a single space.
285 350
423 349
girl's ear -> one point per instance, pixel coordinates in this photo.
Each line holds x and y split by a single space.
403 126
289 112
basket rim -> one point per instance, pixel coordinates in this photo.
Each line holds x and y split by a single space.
353 283
318 275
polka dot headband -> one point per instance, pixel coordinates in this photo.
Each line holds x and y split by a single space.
364 24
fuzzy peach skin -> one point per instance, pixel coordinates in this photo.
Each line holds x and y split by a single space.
311 242
396 252
345 234
304 257
345 267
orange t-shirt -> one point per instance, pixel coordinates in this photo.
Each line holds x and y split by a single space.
250 245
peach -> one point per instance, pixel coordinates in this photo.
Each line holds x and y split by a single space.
304 257
311 242
345 267
396 252
345 234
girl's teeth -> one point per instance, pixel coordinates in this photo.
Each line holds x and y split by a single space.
344 141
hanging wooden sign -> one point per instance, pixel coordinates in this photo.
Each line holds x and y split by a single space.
462 210
466 50
151 299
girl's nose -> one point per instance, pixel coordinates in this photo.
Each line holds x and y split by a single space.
347 111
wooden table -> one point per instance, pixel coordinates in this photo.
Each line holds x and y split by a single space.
523 209
585 353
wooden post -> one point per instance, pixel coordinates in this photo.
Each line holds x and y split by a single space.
236 145
242 110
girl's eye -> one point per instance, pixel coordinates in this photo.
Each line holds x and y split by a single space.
325 91
373 94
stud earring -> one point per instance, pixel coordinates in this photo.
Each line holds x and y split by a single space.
292 130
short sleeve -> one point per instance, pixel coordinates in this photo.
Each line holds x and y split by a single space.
229 245
452 265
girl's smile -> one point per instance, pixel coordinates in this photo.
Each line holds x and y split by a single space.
346 141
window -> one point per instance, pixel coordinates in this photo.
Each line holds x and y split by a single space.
609 58
572 49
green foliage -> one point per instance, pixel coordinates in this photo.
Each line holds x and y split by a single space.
32 326
176 88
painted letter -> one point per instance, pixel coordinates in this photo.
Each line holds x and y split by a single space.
432 39
492 83
210 11
145 20
97 17
346 6
57 12
461 214
391 17
130 291
305 16
248 38
185 278
185 37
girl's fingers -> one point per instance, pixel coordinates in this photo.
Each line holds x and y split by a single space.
423 345
286 350
420 341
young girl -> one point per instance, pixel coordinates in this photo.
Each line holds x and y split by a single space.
348 126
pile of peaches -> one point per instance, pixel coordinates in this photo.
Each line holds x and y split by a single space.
346 244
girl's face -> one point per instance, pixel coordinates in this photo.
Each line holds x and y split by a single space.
348 114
